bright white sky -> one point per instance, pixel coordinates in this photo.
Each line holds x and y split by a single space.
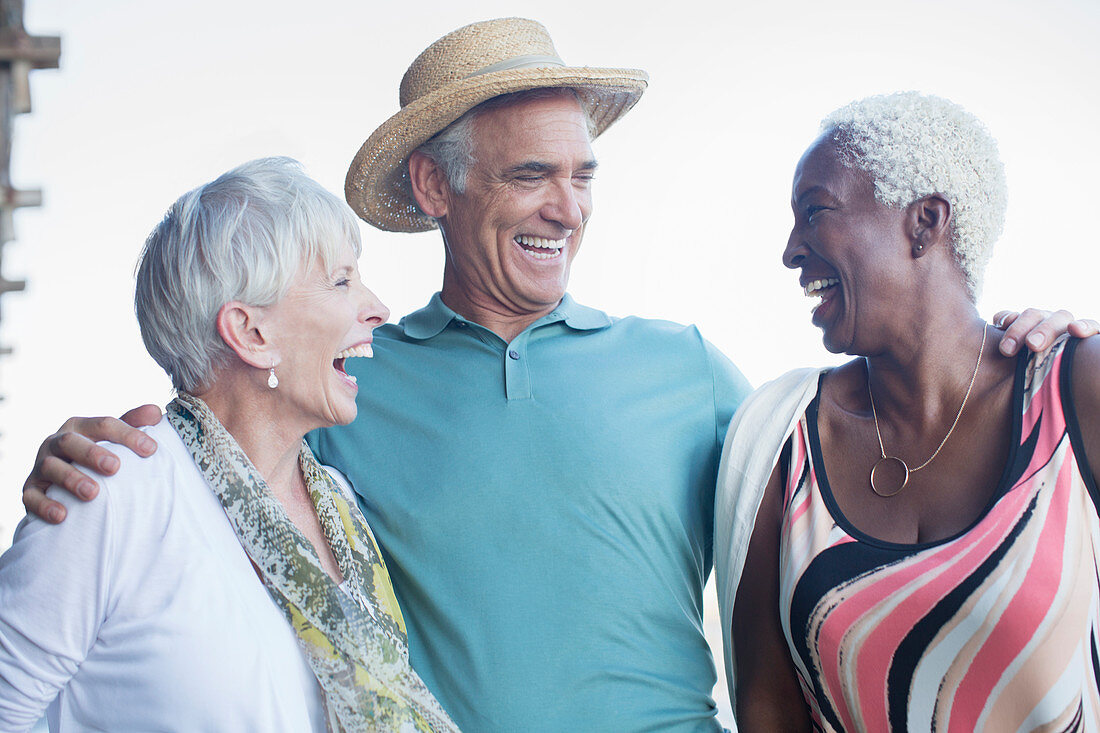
692 210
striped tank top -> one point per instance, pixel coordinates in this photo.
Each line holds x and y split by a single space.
993 629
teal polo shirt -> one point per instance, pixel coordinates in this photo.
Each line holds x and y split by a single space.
545 511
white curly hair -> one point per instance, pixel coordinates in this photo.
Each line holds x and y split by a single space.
914 145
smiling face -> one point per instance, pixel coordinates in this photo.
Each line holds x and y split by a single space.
512 235
326 317
853 250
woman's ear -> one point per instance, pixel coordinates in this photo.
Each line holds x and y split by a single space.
243 329
930 223
429 185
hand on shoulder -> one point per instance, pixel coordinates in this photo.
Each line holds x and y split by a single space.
77 445
1037 328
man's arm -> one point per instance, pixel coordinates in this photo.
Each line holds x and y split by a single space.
74 444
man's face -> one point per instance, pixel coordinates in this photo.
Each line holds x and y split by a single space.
512 235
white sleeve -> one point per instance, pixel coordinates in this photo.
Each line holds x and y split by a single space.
54 597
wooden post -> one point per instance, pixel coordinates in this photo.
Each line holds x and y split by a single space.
20 53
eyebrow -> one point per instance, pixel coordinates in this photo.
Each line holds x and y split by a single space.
537 166
808 192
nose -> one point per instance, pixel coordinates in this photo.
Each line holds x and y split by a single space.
567 205
372 311
795 252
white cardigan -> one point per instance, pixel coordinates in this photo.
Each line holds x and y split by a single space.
754 441
142 612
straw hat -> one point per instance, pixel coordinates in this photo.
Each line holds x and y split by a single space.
456 73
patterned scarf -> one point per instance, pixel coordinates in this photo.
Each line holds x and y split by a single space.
355 641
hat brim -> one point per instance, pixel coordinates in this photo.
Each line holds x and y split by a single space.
377 186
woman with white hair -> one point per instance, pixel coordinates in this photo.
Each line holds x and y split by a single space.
911 541
228 582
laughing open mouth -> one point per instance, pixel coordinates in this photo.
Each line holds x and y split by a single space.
362 350
823 288
818 288
540 248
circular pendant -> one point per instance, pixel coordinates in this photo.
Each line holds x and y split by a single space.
887 472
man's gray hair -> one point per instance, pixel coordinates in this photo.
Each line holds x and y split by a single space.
244 236
914 145
452 148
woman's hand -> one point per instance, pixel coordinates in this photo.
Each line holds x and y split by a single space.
1038 328
74 444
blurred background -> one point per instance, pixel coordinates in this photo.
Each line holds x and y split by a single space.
692 196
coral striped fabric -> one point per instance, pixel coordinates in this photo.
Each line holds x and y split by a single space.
994 629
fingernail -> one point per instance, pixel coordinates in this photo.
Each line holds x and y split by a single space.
54 515
85 489
146 447
1035 340
1008 346
107 464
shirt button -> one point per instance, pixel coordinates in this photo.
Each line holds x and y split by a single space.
513 354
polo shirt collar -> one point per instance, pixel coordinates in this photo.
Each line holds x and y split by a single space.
430 320
580 317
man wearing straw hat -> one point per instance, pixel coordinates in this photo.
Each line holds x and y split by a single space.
540 476
548 518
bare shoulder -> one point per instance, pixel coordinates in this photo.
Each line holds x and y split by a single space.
1086 375
1088 352
1085 390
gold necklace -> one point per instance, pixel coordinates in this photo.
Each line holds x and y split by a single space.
886 460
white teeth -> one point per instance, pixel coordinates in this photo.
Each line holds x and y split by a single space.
361 350
540 242
814 288
553 246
